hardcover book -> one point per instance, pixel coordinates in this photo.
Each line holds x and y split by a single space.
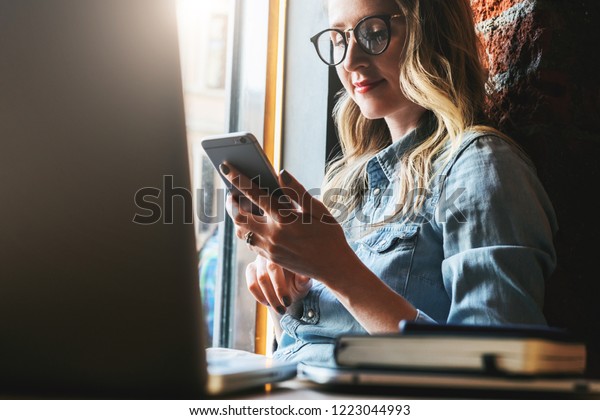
489 349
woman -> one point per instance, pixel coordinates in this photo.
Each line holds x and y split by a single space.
427 216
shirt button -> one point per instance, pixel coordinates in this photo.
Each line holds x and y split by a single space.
376 191
310 314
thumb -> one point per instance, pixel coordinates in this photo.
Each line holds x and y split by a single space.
308 204
301 284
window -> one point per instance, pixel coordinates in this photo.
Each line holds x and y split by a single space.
223 47
203 48
235 69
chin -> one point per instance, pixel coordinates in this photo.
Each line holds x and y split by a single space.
372 111
370 114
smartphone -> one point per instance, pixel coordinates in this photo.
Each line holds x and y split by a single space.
243 151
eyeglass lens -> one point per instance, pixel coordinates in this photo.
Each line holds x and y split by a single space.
371 34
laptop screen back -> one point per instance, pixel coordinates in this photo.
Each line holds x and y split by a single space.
91 112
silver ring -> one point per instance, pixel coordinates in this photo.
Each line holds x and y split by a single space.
248 237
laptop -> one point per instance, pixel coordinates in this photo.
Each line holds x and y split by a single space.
95 299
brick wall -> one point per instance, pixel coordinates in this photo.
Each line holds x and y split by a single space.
543 57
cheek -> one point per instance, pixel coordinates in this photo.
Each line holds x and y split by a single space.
391 69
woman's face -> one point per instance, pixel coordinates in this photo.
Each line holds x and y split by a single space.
372 80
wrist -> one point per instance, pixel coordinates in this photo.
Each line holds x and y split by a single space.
344 275
376 306
350 275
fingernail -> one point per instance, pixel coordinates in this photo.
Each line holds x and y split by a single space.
281 310
285 176
224 169
287 301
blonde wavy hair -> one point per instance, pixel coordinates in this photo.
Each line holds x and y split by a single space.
440 70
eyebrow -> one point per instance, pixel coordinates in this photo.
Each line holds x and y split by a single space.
339 25
336 25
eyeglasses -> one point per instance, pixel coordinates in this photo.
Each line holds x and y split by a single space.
372 34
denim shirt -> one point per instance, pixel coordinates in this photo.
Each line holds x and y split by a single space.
478 252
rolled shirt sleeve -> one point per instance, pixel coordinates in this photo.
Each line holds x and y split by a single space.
497 236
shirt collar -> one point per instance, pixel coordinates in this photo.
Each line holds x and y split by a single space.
382 168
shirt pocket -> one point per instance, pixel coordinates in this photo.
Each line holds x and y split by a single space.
390 239
389 253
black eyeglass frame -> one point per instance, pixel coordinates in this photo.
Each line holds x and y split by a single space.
345 36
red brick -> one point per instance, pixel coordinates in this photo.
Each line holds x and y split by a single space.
488 9
513 45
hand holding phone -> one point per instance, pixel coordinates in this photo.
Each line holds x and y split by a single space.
243 151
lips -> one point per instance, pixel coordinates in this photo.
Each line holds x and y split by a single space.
363 86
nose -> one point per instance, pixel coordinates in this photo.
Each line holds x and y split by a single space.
355 56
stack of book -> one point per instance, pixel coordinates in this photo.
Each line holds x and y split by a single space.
467 348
